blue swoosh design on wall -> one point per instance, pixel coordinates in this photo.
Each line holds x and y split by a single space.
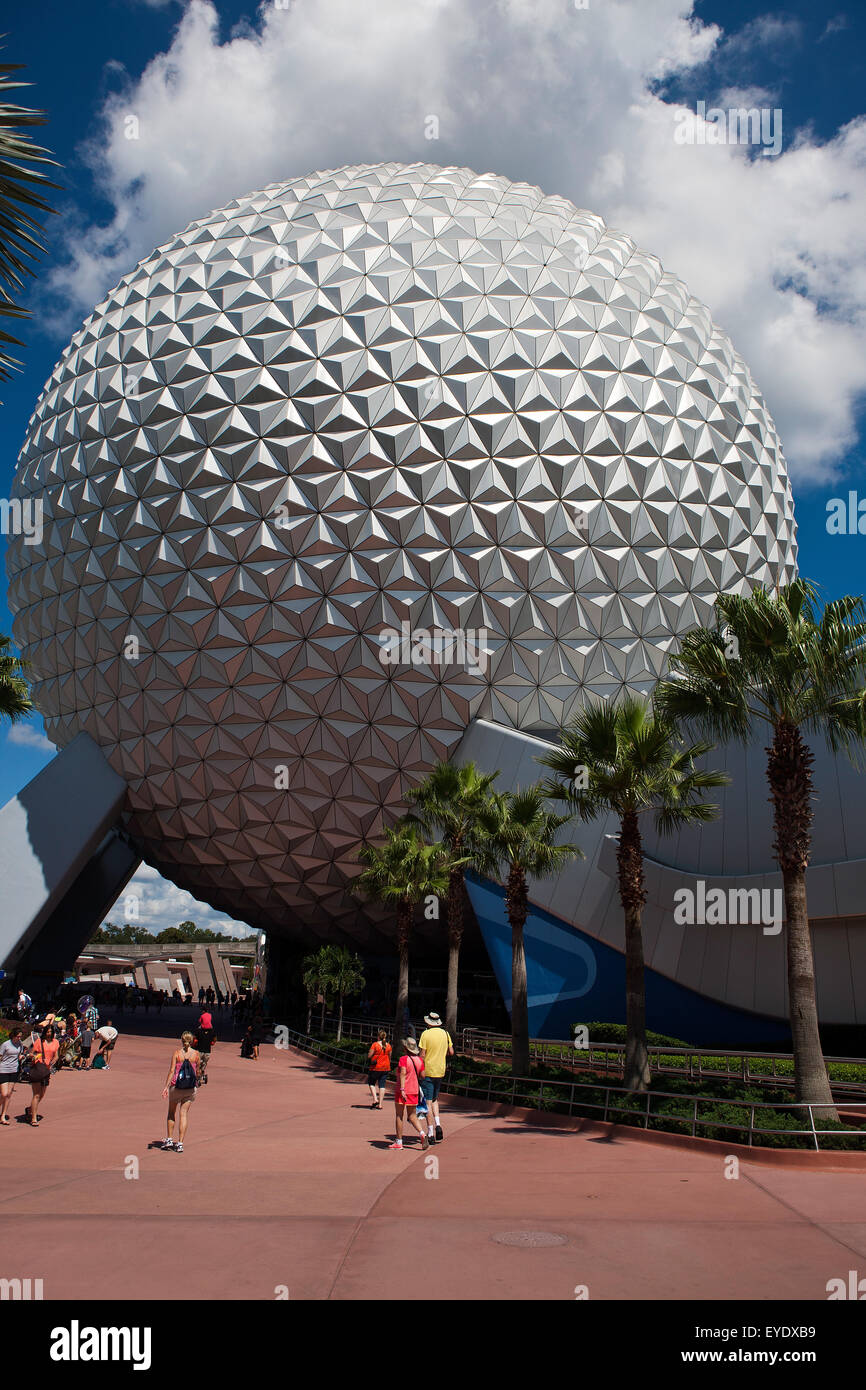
574 978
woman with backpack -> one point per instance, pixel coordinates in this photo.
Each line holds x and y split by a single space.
179 1090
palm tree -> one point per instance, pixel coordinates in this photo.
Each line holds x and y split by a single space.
14 694
622 757
773 659
520 835
317 980
345 976
21 201
401 873
451 800
311 975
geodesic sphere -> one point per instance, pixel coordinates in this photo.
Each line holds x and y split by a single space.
372 397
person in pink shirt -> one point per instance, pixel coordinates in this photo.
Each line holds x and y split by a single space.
407 1093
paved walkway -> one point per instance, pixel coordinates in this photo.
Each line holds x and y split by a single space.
287 1181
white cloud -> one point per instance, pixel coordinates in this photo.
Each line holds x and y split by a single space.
537 90
28 736
160 904
836 25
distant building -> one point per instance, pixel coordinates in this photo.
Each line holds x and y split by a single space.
173 966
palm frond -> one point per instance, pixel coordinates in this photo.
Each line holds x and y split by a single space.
23 186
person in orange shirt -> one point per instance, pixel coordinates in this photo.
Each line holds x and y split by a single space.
43 1056
378 1068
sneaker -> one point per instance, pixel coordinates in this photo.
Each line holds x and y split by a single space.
395 1146
168 1143
431 1136
178 1148
439 1135
425 1142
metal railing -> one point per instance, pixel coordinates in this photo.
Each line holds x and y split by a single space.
493 1087
362 1029
609 1057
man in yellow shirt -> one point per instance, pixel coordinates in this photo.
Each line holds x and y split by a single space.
436 1045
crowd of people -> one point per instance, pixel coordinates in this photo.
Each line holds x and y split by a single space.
38 1047
43 1043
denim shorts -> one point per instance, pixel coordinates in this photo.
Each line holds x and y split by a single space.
377 1078
431 1086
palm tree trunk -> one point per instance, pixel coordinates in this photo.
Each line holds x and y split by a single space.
516 899
404 924
789 773
632 895
456 891
309 1013
322 1017
340 1020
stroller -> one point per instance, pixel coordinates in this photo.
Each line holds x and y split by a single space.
70 1051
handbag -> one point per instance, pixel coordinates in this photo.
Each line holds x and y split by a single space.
39 1071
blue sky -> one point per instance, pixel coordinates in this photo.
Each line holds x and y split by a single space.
581 101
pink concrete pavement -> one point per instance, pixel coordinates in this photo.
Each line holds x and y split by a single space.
287 1180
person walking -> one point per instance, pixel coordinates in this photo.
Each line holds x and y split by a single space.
179 1091
378 1068
91 1013
43 1049
407 1093
205 1040
10 1060
107 1035
436 1046
200 995
85 1043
